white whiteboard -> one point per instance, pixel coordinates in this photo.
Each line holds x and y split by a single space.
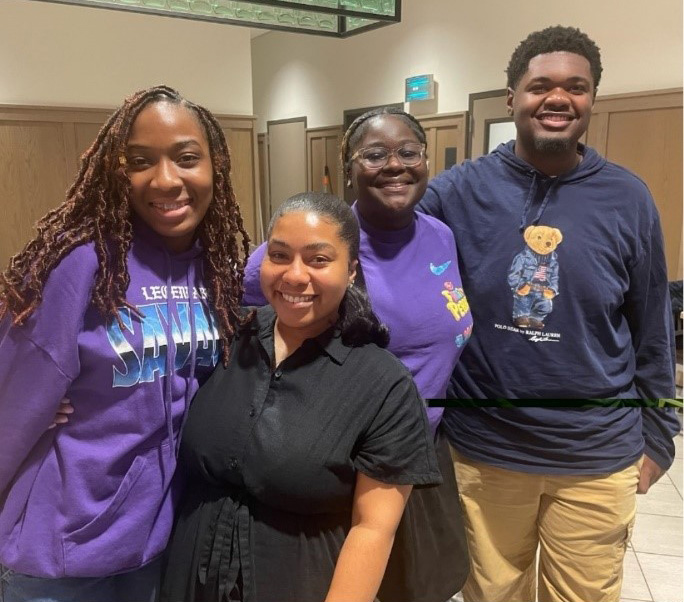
500 132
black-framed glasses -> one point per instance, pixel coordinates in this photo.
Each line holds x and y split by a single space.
376 157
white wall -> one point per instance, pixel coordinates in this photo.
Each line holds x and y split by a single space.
59 55
466 45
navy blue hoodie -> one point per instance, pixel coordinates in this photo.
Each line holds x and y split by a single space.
568 288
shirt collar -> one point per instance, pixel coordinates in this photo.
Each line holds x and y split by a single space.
329 341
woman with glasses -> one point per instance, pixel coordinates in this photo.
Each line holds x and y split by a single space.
409 264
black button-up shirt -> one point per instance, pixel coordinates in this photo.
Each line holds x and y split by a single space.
272 456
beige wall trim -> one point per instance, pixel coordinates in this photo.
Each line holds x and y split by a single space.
660 98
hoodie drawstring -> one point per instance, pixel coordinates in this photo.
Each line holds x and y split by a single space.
168 393
530 197
193 347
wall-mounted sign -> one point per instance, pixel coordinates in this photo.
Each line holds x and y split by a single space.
420 87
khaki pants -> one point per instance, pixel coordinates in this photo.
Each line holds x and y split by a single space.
581 525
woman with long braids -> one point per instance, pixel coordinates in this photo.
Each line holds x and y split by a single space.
121 303
410 270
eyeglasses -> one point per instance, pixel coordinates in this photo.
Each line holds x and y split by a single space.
376 157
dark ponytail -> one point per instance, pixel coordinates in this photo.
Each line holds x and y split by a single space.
357 323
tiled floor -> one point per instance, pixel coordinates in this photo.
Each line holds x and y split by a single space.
653 565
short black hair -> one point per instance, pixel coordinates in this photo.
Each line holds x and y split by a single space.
553 39
358 128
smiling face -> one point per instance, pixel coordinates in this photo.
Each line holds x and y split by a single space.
386 197
305 272
169 165
551 107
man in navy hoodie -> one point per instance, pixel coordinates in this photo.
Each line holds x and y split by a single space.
562 259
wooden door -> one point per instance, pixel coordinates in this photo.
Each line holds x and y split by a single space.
286 159
323 151
446 140
239 133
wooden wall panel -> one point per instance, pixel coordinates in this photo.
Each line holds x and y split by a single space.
444 132
85 134
643 132
242 174
40 150
657 158
34 179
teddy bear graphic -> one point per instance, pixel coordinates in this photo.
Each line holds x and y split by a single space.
533 277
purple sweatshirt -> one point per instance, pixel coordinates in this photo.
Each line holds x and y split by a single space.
414 285
93 497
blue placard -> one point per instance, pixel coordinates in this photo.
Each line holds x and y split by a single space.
419 87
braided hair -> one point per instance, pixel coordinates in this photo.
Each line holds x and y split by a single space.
97 208
357 130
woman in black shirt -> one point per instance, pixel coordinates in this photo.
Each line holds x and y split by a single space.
301 453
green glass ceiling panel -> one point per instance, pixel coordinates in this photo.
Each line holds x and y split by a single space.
365 7
356 23
327 17
371 7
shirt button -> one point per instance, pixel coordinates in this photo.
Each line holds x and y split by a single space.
278 373
233 464
252 413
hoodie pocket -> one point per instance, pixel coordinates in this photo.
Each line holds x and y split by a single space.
118 538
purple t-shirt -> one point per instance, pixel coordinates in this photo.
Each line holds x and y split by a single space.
415 288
